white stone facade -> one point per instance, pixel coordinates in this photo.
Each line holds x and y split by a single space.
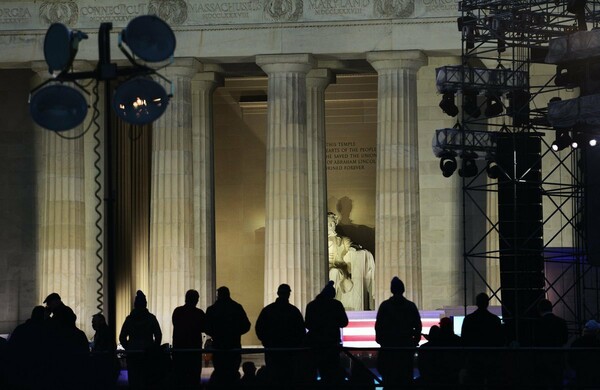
299 46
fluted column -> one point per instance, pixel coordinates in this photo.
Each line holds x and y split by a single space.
61 215
316 82
397 226
203 273
171 203
287 249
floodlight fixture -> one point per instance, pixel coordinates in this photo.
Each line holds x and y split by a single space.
493 106
448 163
447 104
583 139
140 100
470 105
493 169
561 141
468 165
149 38
60 47
57 107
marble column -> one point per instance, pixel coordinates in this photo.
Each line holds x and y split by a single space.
397 225
171 203
203 273
287 248
61 214
316 82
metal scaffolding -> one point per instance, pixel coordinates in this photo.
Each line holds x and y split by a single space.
524 205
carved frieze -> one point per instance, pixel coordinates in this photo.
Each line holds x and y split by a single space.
394 8
174 12
283 10
65 12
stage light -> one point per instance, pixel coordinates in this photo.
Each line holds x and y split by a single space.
492 169
447 104
57 107
494 106
561 141
448 163
149 38
468 26
577 7
470 105
140 100
469 166
60 47
583 139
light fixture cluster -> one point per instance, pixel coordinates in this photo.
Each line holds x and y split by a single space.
483 91
450 144
59 104
577 140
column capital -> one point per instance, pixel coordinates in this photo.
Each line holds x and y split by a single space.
208 78
279 63
319 78
184 67
407 59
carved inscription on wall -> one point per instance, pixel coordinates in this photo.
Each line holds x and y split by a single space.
338 7
225 10
440 5
12 14
112 12
350 156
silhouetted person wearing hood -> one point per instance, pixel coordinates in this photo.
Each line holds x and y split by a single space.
280 325
324 318
398 325
27 348
188 324
141 336
226 322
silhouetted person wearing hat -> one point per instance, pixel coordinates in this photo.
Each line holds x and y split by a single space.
324 318
585 355
58 312
398 325
226 322
482 329
188 324
280 325
105 366
141 337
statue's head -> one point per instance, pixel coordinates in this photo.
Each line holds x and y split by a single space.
332 221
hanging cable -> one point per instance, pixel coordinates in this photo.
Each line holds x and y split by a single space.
98 206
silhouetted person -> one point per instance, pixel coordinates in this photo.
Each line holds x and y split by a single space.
141 337
104 363
398 325
440 360
3 363
226 322
27 348
188 324
550 331
249 378
585 355
324 318
482 329
69 352
280 325
56 311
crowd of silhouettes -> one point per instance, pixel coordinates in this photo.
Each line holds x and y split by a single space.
48 351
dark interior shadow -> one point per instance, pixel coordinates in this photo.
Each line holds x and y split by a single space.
362 235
